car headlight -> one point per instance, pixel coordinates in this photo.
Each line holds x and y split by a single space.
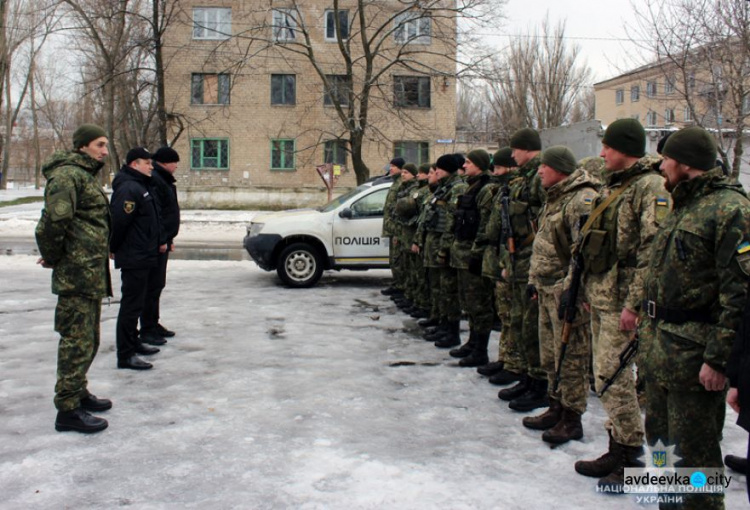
254 229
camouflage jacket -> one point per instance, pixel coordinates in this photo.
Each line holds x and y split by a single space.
454 187
389 213
635 216
491 232
406 213
699 263
73 232
559 227
527 197
463 250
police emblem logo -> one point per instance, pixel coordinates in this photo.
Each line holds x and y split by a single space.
128 207
659 458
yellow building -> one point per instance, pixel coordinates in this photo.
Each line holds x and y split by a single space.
252 110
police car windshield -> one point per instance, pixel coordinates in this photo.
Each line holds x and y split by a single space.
333 204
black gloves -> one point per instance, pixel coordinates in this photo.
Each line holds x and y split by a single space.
564 306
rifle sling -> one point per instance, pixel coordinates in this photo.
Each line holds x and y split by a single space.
603 206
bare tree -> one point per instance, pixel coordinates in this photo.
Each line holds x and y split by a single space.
702 48
538 81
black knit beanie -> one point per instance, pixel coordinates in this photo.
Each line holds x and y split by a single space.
448 163
626 136
559 158
692 146
526 139
504 157
480 158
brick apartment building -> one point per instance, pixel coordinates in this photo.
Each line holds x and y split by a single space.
254 113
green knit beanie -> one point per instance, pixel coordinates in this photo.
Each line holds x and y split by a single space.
526 139
692 146
480 158
411 168
559 158
86 134
504 157
626 136
424 168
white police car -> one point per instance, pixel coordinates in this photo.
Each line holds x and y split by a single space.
343 234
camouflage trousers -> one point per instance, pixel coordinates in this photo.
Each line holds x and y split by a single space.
450 308
524 329
77 321
620 401
685 419
396 260
508 352
475 296
574 387
433 287
416 280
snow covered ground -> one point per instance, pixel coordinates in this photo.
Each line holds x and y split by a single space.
276 398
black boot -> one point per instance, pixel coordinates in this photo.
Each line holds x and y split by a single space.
602 466
80 421
629 458
478 356
569 427
534 398
547 419
91 403
436 334
420 313
465 349
452 337
735 463
491 368
504 378
389 291
426 323
516 391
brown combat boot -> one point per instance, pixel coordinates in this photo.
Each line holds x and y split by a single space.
569 427
602 466
629 458
547 419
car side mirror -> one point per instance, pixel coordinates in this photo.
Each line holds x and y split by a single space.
346 213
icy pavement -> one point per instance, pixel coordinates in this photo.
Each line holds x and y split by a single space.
276 398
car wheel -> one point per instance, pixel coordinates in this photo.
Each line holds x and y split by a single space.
299 265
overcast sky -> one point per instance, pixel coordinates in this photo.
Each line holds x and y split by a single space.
598 27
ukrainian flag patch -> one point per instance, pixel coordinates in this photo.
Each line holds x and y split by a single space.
662 202
743 248
588 201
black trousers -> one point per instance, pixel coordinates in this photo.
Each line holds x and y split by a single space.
134 287
157 280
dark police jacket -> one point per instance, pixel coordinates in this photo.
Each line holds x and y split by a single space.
135 221
738 367
165 191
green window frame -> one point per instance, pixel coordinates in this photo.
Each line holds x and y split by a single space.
209 154
335 152
413 152
282 154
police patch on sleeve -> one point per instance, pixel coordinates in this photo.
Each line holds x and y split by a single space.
128 207
744 261
662 208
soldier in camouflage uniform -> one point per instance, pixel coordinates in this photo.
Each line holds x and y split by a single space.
389 228
418 277
510 363
695 293
475 291
439 221
404 217
614 246
73 239
527 198
427 236
570 192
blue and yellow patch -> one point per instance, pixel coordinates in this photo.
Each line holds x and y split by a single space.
588 201
743 248
662 202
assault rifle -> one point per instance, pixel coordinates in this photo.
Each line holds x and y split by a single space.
570 307
507 228
626 357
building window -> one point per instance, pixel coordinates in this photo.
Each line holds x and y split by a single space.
337 91
669 116
651 118
651 88
691 81
331 24
411 91
619 96
335 152
413 152
282 154
212 23
209 88
412 28
688 115
746 104
669 84
284 25
635 93
283 89
209 154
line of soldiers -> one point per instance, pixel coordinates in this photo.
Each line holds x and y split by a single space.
571 257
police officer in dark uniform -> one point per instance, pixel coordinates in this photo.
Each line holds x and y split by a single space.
135 245
165 162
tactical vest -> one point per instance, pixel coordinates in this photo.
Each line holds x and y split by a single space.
523 213
467 213
561 239
436 218
599 240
